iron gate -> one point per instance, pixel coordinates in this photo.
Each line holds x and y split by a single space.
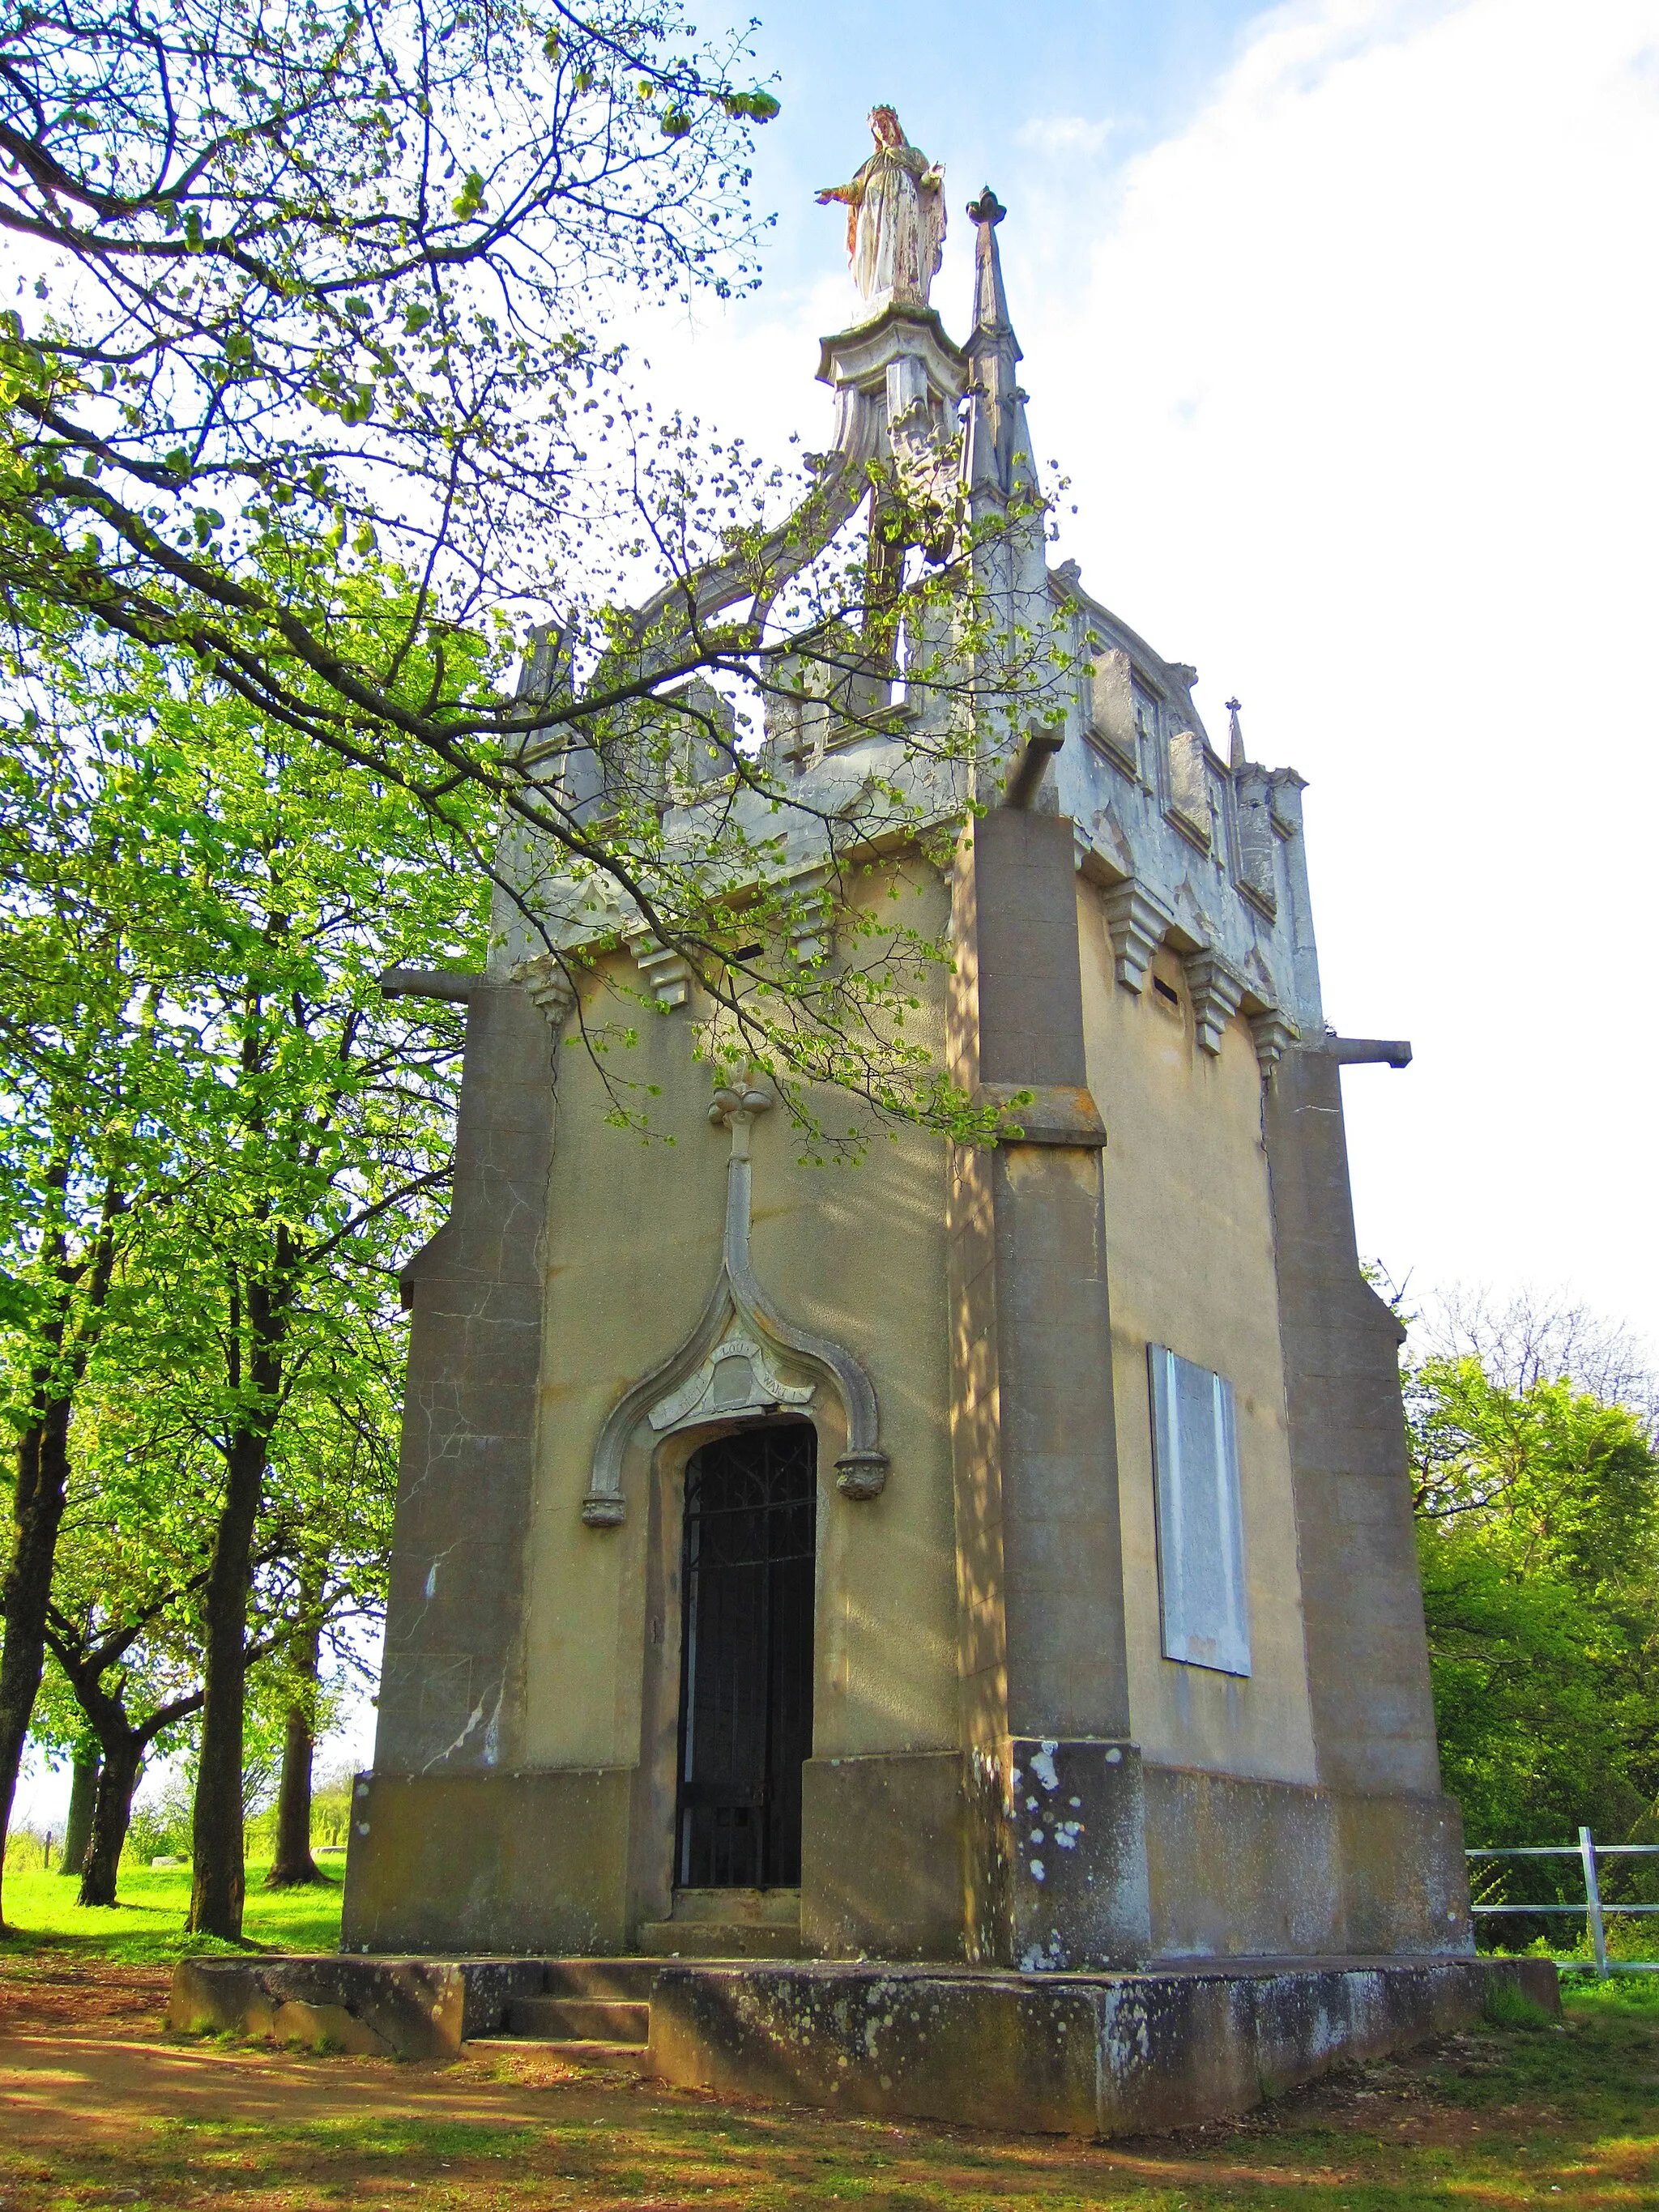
746 1659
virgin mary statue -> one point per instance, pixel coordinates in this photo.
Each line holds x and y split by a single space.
895 218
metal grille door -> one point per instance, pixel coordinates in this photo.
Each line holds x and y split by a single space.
747 1668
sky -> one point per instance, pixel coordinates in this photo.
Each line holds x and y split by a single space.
1342 318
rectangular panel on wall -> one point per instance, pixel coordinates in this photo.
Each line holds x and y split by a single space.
1200 1532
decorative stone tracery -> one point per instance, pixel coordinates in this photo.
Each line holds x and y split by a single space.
723 1368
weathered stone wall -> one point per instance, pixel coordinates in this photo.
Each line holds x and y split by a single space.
1190 1242
1086 2054
855 1254
1244 1868
451 1693
501 1861
1368 1658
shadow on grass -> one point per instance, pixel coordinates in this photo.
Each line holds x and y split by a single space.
1495 2117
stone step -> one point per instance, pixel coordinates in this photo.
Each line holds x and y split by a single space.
620 2057
715 1939
626 1980
729 1906
579 2020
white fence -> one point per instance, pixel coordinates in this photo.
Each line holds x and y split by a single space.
1589 1853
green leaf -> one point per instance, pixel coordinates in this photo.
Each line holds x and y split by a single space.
759 106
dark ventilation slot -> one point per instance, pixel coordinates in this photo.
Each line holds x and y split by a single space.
1166 991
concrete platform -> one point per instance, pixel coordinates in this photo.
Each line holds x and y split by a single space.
1065 2054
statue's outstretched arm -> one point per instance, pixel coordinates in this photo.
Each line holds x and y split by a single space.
848 195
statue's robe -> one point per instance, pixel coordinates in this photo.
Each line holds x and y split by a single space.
894 228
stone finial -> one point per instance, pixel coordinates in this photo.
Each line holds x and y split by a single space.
539 661
996 420
990 301
729 1101
1235 738
734 1108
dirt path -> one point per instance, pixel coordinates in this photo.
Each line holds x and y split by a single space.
55 2087
84 2051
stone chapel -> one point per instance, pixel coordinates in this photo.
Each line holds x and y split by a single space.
996 1556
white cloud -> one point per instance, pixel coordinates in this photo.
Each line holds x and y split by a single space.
1063 134
1354 376
1357 395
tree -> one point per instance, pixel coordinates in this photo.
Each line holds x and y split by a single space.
103 1671
1538 1509
333 268
318 1138
334 1485
295 1125
330 291
291 1863
90 1058
85 1763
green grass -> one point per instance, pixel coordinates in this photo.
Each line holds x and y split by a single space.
146 1925
1511 2007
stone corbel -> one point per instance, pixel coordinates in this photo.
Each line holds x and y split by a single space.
739 1321
1273 1033
664 973
1217 994
549 981
811 933
1138 924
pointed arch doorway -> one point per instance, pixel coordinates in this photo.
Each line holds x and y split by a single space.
747 1575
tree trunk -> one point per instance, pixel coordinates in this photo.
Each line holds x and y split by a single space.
292 1861
216 1842
122 1766
37 1510
83 1796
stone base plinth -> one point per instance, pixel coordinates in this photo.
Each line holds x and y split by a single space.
384 2008
1061 2054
